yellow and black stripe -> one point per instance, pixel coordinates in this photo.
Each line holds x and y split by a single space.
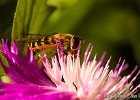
70 43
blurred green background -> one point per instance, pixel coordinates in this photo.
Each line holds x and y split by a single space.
110 25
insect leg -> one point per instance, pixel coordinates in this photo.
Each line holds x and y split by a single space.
45 54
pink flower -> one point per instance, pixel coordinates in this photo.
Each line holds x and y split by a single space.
64 77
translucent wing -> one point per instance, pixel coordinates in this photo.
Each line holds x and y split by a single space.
27 38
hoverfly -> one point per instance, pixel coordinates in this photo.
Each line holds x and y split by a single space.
70 43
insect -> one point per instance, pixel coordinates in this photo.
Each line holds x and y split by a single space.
70 43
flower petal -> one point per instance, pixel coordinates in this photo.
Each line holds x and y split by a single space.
23 71
33 92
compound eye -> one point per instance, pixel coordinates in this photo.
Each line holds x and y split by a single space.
76 42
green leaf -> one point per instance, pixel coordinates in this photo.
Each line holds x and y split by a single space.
67 19
5 62
29 17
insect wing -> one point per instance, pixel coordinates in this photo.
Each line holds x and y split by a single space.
27 38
